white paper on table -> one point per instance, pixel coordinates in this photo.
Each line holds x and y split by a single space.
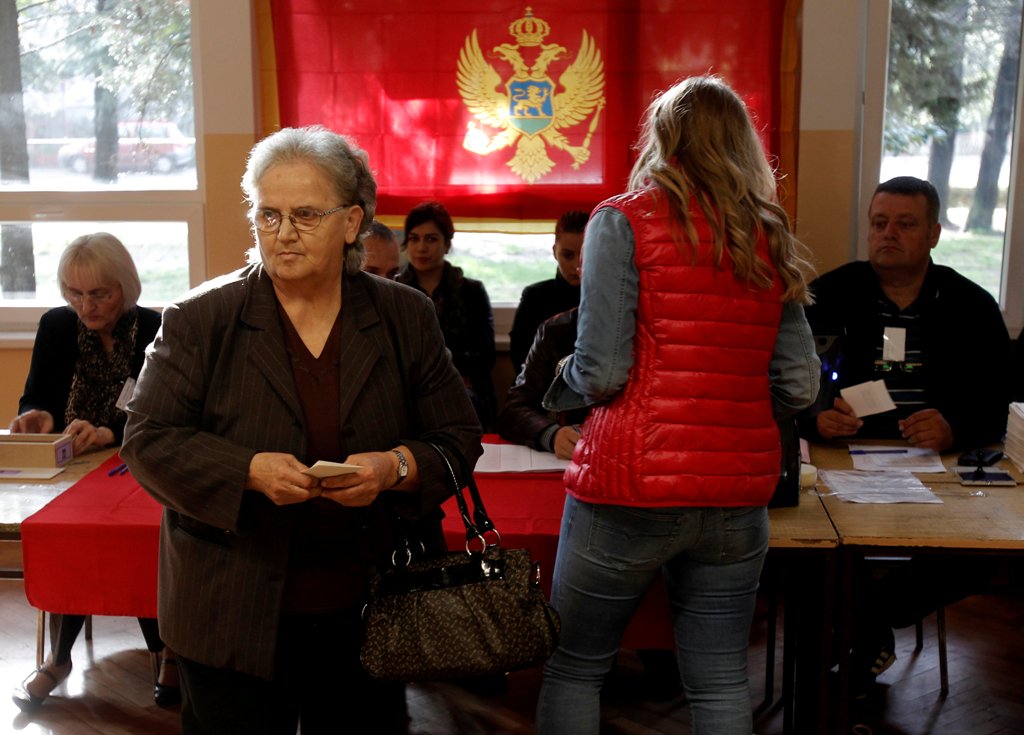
29 473
872 487
517 458
868 398
879 458
1013 445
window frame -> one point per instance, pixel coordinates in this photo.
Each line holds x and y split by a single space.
875 70
18 323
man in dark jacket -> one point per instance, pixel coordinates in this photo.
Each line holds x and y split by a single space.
939 342
936 338
546 298
523 420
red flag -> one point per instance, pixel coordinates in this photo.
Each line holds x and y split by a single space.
512 112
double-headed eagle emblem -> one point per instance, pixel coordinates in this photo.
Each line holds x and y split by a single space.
527 109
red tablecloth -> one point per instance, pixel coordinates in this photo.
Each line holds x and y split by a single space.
526 508
93 549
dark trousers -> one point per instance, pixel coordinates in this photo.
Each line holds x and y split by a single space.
318 681
64 630
897 594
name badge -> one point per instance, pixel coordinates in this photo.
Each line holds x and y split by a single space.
894 344
126 394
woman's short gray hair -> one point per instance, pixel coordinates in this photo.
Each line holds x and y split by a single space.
344 164
106 259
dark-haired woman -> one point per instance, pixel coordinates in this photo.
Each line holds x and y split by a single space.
463 307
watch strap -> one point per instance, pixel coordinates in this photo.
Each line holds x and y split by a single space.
403 467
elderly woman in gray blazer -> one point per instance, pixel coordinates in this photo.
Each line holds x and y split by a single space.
254 377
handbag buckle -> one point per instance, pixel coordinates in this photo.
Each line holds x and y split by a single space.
405 553
482 538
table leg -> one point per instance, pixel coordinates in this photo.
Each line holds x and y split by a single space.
848 559
810 589
40 637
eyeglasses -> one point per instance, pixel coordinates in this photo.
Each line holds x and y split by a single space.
303 219
96 296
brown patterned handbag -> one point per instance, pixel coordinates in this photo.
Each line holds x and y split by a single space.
459 614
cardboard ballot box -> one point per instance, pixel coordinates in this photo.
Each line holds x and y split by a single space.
35 450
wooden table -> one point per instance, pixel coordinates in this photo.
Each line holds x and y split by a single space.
992 523
21 498
801 569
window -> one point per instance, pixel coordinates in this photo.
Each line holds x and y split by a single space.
506 263
945 106
103 138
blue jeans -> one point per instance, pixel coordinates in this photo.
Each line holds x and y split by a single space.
608 555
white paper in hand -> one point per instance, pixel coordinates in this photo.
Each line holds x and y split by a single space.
868 398
324 469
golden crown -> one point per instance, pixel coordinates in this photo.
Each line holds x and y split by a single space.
529 31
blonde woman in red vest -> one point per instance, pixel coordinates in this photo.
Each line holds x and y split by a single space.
692 343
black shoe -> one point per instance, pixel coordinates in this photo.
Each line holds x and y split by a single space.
867 669
167 694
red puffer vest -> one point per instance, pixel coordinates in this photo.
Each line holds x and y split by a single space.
693 425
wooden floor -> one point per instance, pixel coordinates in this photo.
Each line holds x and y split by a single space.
110 692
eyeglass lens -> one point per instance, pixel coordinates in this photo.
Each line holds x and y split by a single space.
96 296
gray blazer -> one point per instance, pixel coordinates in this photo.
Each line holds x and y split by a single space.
217 388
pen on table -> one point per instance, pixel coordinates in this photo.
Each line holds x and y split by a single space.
878 451
119 470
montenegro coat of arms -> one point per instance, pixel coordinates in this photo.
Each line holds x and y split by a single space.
528 109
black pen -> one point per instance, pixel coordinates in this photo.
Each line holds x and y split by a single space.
119 470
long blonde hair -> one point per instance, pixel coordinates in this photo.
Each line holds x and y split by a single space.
697 141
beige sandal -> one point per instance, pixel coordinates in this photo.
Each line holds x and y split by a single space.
38 685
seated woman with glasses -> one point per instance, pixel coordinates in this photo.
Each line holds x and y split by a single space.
86 358
462 304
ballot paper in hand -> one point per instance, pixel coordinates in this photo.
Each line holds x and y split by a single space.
324 469
868 398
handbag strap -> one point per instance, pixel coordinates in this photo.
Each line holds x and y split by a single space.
478 523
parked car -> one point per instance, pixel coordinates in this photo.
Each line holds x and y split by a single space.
142 146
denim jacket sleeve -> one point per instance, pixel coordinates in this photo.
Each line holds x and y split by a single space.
599 366
795 368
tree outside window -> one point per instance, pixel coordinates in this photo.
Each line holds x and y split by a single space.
952 86
96 99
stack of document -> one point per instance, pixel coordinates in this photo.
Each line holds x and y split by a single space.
516 458
1014 447
879 458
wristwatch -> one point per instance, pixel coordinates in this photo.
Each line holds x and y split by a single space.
403 467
